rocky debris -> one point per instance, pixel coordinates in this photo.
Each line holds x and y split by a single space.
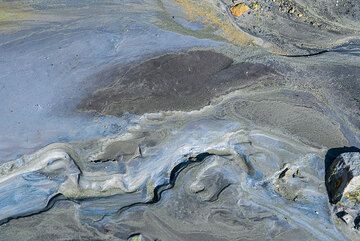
288 7
343 178
282 174
344 216
255 6
357 222
277 22
350 217
289 183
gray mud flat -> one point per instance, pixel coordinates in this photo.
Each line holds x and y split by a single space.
176 120
183 81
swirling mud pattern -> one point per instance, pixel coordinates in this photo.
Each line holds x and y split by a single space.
180 120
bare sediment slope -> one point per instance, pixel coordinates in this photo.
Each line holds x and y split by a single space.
209 165
242 167
233 121
216 149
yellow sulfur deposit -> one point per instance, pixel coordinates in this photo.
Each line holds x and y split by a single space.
239 9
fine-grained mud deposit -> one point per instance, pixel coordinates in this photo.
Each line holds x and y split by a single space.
182 81
179 120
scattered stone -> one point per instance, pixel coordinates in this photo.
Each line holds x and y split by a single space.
344 216
239 9
136 237
255 6
357 222
282 174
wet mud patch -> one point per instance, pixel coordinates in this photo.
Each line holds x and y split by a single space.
297 113
197 172
207 218
47 226
183 81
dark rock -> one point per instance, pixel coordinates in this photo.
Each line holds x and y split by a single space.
344 216
357 222
342 176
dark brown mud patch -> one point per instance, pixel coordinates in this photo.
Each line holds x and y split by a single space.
183 81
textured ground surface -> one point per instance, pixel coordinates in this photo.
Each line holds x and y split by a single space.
176 120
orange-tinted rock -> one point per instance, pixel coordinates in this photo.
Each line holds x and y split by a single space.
239 9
